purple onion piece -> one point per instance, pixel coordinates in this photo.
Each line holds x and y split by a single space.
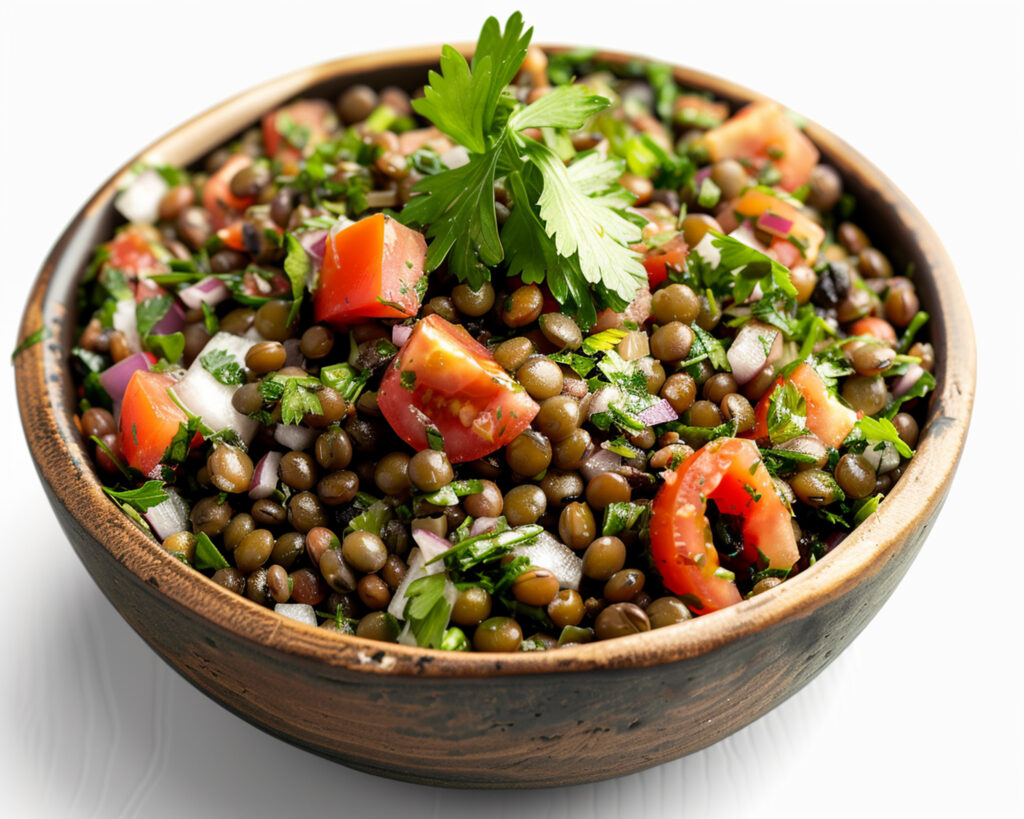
400 334
209 291
293 353
172 322
431 545
314 242
481 525
659 413
115 379
265 475
603 460
905 383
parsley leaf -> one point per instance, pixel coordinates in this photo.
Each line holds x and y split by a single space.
751 267
923 385
169 347
30 340
150 494
208 556
787 413
299 398
882 429
149 312
223 366
297 268
427 609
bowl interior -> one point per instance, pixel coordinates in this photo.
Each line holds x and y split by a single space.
48 404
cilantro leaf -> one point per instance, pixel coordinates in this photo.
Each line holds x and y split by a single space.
787 413
223 366
297 268
298 399
568 106
150 494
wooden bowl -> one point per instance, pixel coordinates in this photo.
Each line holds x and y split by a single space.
487 720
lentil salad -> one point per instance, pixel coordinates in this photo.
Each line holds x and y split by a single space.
404 388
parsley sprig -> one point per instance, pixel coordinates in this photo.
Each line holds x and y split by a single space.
566 224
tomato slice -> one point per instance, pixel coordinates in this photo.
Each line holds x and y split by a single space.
658 261
763 133
217 196
289 131
149 421
728 471
370 270
827 417
443 377
132 254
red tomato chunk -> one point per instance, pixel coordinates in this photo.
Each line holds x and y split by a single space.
370 270
444 378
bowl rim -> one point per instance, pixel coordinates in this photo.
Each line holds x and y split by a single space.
64 465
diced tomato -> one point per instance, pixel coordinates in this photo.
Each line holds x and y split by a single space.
660 260
692 109
874 327
131 253
149 421
445 378
370 270
809 235
289 131
730 472
826 416
763 133
217 196
638 311
785 252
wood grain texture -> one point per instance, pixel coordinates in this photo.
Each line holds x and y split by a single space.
537 719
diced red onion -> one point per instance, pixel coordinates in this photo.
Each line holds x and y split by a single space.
746 354
775 224
314 242
172 322
140 201
431 544
659 413
603 460
115 378
400 334
169 517
638 311
904 383
481 525
295 437
210 290
700 176
265 476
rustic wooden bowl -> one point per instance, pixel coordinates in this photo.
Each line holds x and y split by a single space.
486 720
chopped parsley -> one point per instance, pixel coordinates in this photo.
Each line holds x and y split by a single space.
223 366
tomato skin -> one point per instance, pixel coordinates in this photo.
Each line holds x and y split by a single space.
452 381
826 416
760 130
730 472
131 253
217 196
670 256
149 421
368 268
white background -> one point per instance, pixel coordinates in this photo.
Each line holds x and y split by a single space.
920 716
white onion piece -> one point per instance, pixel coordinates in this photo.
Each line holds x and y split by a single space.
295 437
300 612
882 456
168 517
205 396
431 544
400 334
707 251
209 291
602 399
417 569
482 525
456 157
140 201
904 383
253 335
603 460
746 354
549 553
125 322
265 475
638 311
745 233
